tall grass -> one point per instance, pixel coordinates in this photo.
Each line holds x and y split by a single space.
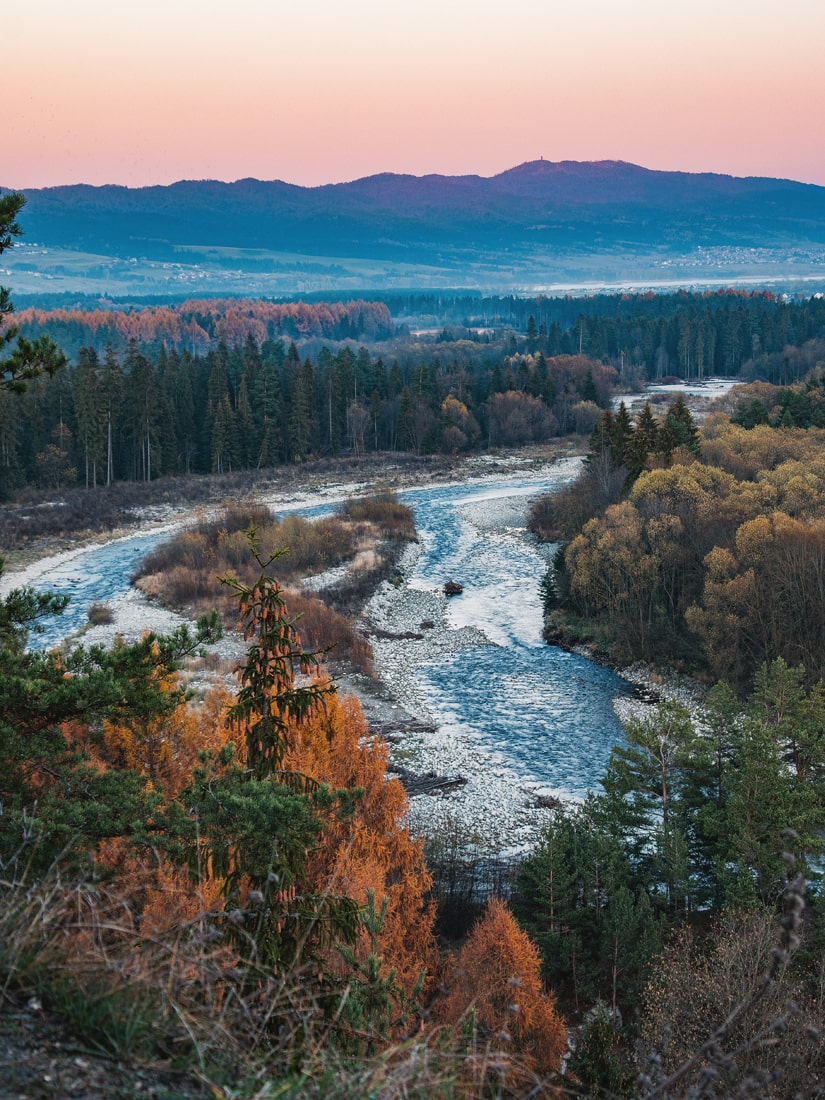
175 992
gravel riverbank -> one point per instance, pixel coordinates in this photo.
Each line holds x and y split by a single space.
408 626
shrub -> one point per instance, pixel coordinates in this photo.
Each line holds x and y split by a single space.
385 511
100 614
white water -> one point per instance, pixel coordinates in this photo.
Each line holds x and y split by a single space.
542 716
544 713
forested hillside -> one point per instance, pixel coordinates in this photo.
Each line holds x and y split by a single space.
538 223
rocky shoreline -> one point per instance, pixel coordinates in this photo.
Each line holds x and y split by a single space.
408 627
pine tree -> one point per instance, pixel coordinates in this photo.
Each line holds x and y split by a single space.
111 403
645 782
27 359
57 803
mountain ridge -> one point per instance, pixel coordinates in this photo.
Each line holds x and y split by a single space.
536 217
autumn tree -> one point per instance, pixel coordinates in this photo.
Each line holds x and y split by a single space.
763 597
371 852
611 573
257 819
733 1001
515 417
54 463
498 979
57 801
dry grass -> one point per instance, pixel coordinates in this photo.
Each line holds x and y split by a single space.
172 992
369 534
100 614
384 511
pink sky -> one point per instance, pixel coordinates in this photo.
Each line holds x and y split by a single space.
116 91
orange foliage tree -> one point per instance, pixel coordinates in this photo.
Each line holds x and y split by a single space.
167 750
371 850
498 977
299 734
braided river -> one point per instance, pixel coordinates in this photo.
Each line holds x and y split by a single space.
543 716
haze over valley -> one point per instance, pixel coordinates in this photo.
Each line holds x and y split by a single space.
539 227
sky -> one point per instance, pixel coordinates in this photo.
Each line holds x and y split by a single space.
139 93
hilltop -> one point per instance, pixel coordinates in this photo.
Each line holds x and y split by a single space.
540 222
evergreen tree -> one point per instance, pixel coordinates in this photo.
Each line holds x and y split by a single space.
682 427
266 409
178 384
143 415
26 359
644 784
621 436
90 421
644 442
588 390
224 441
56 803
9 447
112 406
601 441
258 823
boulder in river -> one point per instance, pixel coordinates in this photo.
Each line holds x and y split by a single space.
453 588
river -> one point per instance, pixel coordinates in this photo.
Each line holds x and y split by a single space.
543 712
531 717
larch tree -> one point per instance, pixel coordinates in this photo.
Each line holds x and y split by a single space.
498 979
371 851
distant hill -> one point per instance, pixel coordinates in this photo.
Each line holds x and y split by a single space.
540 219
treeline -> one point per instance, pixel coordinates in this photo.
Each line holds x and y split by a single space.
199 324
140 416
651 336
711 554
644 336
